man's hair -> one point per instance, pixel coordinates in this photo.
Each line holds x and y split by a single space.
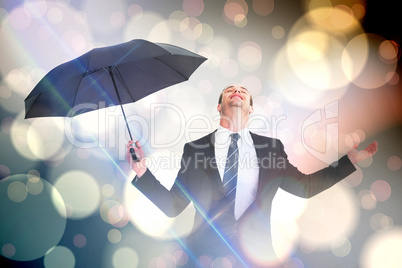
220 96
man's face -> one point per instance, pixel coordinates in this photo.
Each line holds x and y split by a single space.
236 96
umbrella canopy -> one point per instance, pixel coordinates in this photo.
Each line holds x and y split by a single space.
108 76
111 75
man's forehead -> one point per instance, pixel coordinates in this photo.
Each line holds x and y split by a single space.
234 86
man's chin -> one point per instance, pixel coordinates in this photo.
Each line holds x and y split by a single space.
236 102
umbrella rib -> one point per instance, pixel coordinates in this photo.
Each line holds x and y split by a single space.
123 83
185 78
30 108
76 92
118 97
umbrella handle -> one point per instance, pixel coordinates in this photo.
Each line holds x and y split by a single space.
132 151
133 155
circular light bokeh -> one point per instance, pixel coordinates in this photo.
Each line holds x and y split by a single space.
364 64
313 56
263 7
367 200
278 32
40 138
381 190
4 172
206 33
125 257
295 90
394 163
80 192
190 28
309 62
79 240
59 256
328 216
114 213
114 236
36 9
383 249
193 8
380 222
249 55
341 247
30 223
235 12
389 51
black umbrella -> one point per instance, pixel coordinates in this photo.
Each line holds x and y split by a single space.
113 75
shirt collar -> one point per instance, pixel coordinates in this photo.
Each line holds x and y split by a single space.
222 134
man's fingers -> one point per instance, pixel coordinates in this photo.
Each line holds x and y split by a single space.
129 144
137 149
139 152
373 147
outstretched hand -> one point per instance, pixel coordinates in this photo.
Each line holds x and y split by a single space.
139 167
356 156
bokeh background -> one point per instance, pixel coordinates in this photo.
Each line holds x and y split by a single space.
325 75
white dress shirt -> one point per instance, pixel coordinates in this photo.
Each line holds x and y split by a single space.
247 178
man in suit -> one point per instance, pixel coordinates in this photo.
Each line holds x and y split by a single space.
231 175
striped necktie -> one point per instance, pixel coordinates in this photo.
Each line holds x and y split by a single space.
231 169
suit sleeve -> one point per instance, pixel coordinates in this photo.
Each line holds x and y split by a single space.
172 202
307 186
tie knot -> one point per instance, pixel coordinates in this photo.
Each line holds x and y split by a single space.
235 137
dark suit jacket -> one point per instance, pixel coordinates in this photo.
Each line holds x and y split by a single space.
198 181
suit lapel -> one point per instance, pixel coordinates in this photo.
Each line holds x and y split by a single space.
261 148
212 168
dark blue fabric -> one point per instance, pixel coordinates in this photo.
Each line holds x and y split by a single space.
84 84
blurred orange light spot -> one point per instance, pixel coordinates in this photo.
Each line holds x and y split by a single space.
235 11
389 51
358 11
263 7
342 17
363 63
392 78
193 7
